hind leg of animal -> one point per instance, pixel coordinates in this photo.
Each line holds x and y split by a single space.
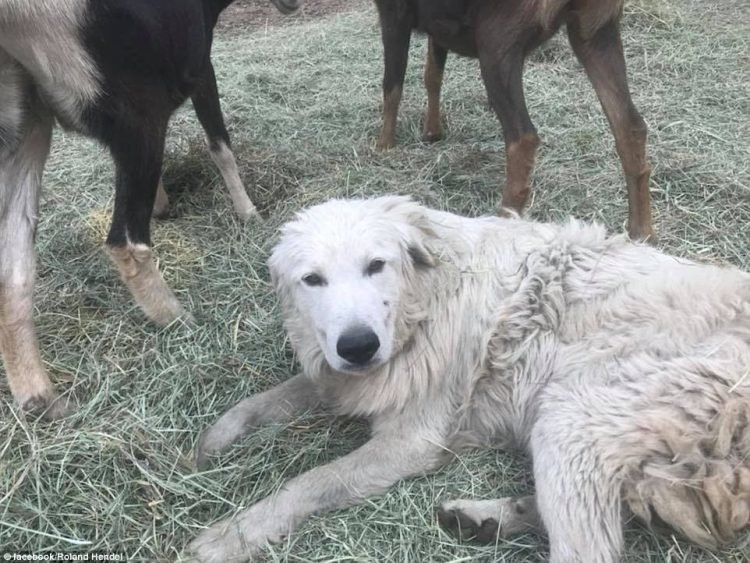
486 521
501 58
137 150
396 34
601 55
433 82
578 501
208 109
20 183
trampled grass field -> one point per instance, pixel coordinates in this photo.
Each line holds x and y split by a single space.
302 102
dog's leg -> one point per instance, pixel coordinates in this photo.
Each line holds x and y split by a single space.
395 27
579 503
371 470
208 109
486 521
137 150
602 57
21 167
501 57
293 397
433 82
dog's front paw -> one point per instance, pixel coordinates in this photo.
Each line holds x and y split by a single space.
222 543
210 442
217 437
235 423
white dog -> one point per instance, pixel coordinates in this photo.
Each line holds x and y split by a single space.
625 373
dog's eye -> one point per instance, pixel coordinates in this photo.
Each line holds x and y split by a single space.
375 267
313 280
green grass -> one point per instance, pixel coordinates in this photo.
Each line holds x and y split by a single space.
303 107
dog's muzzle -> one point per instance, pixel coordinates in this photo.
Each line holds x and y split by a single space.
358 346
287 6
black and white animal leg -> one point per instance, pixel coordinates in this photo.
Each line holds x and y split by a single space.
206 103
23 152
138 153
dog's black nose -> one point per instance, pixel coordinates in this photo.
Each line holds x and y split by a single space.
358 345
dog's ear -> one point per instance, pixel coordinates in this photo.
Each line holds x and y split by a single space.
421 256
278 264
415 226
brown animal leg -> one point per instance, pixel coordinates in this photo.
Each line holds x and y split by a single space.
433 81
20 182
602 56
395 28
501 56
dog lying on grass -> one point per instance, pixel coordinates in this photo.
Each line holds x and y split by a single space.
623 371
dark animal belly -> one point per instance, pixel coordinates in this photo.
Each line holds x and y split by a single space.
449 23
461 42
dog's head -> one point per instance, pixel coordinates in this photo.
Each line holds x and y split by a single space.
347 273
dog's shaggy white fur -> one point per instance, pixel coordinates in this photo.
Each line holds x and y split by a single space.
624 372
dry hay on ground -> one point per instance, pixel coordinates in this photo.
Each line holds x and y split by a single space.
302 103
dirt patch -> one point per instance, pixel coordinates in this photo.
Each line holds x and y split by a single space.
249 15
